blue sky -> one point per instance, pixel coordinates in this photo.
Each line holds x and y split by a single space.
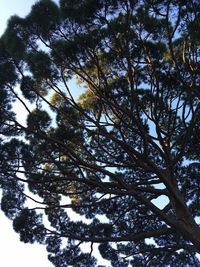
14 252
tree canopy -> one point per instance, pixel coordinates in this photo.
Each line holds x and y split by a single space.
116 169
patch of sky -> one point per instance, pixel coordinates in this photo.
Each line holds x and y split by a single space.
159 186
75 89
197 219
160 201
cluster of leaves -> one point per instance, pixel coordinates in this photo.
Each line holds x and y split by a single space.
130 138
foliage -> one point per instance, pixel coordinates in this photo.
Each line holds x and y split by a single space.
117 168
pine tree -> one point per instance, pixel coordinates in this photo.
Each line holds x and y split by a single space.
116 168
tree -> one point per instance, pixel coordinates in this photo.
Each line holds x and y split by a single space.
124 155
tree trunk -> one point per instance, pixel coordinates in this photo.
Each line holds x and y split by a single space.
189 228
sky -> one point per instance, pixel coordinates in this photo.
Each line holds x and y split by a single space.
14 252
